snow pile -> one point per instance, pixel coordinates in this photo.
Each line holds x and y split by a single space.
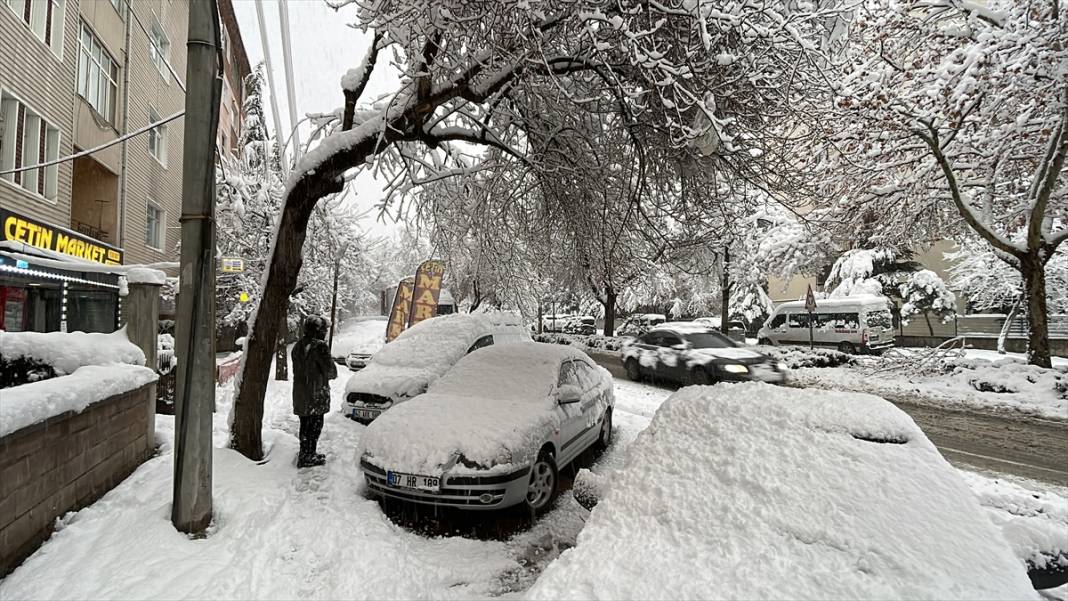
757 491
67 351
493 408
31 403
796 357
1033 518
422 353
1002 384
145 275
361 335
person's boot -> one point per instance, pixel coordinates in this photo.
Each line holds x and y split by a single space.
313 461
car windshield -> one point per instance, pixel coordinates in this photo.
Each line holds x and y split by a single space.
709 340
880 319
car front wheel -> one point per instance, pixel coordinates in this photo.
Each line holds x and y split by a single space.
542 486
847 347
605 438
634 372
701 377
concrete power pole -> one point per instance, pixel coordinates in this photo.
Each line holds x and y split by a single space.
195 328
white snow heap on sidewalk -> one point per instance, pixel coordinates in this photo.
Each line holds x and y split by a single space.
756 491
492 408
67 351
35 402
422 353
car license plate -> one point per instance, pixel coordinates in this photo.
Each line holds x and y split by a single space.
413 481
364 413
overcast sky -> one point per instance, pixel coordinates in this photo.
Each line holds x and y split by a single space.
324 47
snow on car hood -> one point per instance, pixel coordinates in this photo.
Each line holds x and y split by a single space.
734 353
421 436
394 382
756 491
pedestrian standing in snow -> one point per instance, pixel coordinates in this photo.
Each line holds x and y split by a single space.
312 371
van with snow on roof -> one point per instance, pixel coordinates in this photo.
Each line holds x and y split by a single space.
423 353
851 324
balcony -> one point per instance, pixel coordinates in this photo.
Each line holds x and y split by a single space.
94 201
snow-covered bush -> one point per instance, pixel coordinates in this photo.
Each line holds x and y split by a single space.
1006 376
796 357
32 356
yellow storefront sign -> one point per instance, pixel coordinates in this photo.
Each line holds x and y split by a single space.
18 228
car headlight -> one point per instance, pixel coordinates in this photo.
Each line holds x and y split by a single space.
735 368
781 366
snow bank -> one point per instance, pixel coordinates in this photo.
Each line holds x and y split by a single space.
1008 384
757 491
422 353
67 351
493 408
28 404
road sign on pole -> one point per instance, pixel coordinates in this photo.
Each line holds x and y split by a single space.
810 306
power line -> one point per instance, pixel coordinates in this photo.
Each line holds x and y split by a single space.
94 149
287 56
270 77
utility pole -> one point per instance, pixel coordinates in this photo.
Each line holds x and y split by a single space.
191 510
333 302
725 290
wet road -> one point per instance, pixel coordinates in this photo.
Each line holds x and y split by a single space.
1000 442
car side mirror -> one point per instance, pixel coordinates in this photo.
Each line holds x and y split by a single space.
569 393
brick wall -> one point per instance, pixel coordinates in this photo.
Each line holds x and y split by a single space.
66 463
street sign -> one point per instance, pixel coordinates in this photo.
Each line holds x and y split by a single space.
810 306
233 264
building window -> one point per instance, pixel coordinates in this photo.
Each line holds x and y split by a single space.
97 75
157 139
120 6
44 18
155 234
159 50
27 139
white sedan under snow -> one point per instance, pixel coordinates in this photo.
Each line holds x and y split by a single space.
493 432
753 491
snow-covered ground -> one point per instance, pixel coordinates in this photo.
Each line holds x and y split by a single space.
283 533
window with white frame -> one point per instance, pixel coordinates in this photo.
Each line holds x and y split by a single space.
27 139
159 50
157 139
120 6
98 75
155 227
44 18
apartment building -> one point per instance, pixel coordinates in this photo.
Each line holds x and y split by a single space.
236 69
76 75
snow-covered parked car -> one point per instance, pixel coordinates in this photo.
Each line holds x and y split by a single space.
754 491
636 325
735 329
405 367
693 353
493 432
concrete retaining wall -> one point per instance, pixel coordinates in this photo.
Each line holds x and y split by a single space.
65 463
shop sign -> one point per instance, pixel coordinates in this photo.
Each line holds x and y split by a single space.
19 228
427 290
232 265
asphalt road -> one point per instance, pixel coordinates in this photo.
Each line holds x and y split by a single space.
1006 443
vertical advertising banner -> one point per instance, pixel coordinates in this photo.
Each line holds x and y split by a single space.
402 306
427 290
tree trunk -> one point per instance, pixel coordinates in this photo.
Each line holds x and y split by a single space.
725 290
610 312
1034 275
281 363
1004 335
930 328
247 419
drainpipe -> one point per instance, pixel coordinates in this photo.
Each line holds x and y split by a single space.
125 125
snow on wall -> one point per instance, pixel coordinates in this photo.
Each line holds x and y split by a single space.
67 351
767 492
29 404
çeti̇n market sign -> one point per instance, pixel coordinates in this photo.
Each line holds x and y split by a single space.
18 228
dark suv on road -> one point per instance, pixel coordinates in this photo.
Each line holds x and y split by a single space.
693 353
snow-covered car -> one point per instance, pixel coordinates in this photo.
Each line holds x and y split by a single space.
754 491
636 325
356 360
851 324
735 329
585 325
405 367
693 353
493 432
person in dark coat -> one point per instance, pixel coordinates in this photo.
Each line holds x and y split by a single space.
312 371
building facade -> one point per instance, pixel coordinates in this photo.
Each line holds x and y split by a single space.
236 69
76 75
